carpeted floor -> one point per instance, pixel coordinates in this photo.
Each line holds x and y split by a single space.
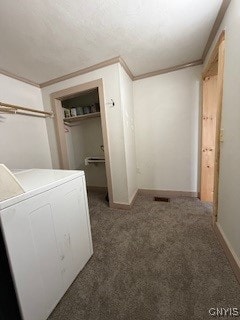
157 261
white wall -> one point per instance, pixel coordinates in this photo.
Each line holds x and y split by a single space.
70 148
166 109
229 184
111 82
85 140
126 88
24 140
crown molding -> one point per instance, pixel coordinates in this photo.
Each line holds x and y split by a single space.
14 76
81 71
124 65
221 13
89 69
167 70
102 65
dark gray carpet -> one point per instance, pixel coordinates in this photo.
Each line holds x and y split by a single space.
157 261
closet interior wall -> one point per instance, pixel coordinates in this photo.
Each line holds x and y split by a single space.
84 139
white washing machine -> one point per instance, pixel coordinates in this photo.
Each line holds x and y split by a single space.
47 235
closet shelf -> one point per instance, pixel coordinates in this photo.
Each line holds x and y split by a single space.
71 121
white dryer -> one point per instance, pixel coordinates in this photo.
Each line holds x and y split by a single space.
47 236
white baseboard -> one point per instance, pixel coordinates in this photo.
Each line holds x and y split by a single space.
229 252
157 193
168 193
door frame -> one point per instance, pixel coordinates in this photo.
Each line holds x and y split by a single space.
56 102
216 59
208 134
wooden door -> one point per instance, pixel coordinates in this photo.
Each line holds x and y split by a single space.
209 114
213 75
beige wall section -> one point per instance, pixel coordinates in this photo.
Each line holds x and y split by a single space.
24 140
126 87
166 123
111 83
229 179
85 140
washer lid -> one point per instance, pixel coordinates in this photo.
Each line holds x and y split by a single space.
35 181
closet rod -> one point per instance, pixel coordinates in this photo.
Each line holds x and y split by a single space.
13 108
25 113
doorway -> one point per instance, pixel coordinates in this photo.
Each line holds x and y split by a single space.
81 132
211 124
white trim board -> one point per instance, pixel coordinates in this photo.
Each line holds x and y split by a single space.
228 250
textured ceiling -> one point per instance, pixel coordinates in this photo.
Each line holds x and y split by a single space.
45 39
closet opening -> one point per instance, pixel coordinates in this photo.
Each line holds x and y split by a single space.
212 136
81 129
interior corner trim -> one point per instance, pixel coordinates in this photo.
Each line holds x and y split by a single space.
126 68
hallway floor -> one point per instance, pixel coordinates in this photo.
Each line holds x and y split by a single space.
156 261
